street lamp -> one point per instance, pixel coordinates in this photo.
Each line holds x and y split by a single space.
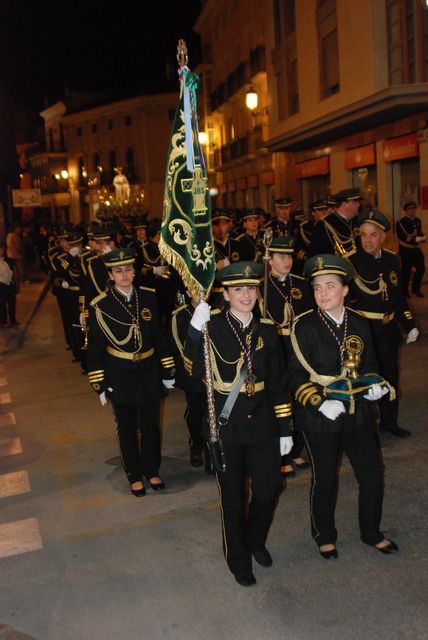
251 99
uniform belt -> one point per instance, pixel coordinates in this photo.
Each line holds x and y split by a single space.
408 245
259 386
384 317
283 331
136 357
73 288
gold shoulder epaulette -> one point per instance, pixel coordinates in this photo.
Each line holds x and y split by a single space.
147 289
266 321
215 312
305 313
389 251
98 298
91 258
296 277
240 236
182 306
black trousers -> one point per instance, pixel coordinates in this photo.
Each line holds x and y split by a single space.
324 450
387 341
412 259
139 438
246 529
195 411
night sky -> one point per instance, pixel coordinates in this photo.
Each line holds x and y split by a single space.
46 46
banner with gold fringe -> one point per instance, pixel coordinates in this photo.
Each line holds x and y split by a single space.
186 235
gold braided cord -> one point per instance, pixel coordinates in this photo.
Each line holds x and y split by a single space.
174 330
110 335
360 282
220 385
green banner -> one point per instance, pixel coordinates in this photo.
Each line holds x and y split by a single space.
186 234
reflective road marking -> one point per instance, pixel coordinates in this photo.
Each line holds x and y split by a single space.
14 484
18 537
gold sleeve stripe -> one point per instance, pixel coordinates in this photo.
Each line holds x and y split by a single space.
282 406
305 397
305 392
303 387
96 371
283 413
167 362
99 376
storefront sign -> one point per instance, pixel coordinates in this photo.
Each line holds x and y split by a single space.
315 167
268 177
400 148
26 197
360 156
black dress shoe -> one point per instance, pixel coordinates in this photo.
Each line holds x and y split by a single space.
287 474
301 465
196 458
246 580
332 553
399 432
138 493
391 547
262 557
157 486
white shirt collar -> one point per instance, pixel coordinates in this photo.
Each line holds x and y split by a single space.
335 320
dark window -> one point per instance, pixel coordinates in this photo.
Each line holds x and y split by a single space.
112 164
290 16
130 164
330 64
94 127
277 21
96 161
51 140
79 132
128 121
109 124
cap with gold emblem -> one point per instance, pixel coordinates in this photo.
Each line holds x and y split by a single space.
327 263
409 205
347 195
102 233
140 223
219 215
319 205
239 274
375 217
119 258
282 244
283 202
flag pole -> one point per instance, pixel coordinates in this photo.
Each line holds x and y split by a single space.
191 130
267 241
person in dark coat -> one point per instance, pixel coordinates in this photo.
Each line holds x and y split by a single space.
377 294
288 295
333 375
128 355
245 355
410 238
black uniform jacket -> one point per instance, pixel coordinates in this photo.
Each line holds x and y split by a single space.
333 234
264 416
117 358
177 335
93 279
407 230
286 300
376 289
314 352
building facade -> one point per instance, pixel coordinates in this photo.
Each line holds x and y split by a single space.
84 147
342 100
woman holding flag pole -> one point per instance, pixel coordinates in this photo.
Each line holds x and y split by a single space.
248 392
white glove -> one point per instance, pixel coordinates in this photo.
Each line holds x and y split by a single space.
222 263
82 320
285 445
169 384
201 315
106 248
412 336
332 409
103 399
160 271
420 238
376 392
65 285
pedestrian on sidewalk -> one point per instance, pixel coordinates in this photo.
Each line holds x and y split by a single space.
332 369
128 356
6 276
